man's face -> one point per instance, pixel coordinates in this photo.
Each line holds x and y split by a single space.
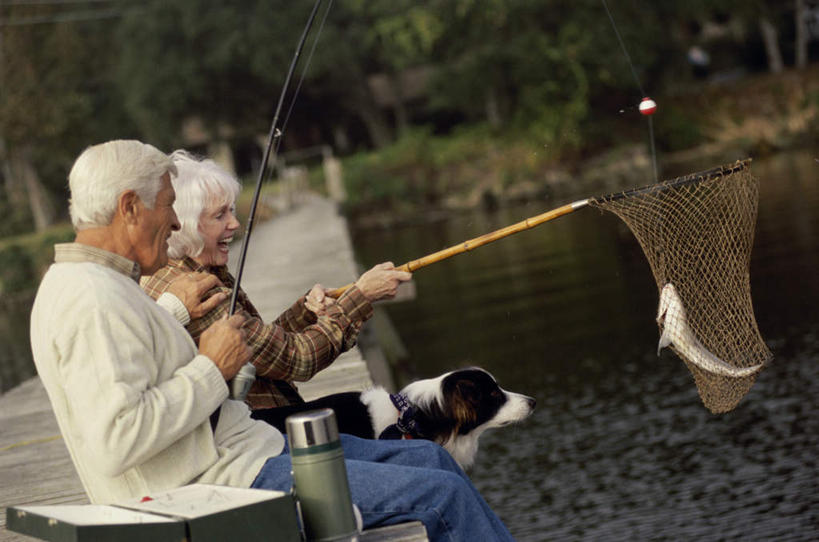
217 225
154 229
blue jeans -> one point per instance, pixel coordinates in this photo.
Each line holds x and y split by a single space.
394 481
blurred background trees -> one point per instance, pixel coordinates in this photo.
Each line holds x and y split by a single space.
195 73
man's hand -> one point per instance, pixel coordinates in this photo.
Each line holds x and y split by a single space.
224 342
317 300
381 282
191 288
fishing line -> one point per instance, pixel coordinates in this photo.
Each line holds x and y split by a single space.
623 47
301 80
639 86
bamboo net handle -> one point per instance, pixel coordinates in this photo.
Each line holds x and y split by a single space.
485 239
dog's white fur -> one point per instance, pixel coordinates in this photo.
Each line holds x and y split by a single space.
423 393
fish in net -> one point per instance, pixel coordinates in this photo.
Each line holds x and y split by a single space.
697 233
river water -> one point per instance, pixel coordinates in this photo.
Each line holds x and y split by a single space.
620 446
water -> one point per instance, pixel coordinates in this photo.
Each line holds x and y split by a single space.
620 446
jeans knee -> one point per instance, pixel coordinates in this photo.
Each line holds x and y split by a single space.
438 456
451 484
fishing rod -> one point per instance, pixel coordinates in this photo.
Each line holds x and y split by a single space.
548 216
274 137
242 381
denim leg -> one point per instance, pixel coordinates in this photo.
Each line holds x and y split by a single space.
387 494
397 481
417 453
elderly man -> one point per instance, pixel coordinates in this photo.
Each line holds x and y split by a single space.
134 397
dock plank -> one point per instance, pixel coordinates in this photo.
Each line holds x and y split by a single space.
35 467
287 255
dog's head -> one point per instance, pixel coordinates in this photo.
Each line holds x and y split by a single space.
464 403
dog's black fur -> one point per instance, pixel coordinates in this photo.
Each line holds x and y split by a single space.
452 410
351 414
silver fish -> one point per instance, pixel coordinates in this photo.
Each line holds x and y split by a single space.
676 331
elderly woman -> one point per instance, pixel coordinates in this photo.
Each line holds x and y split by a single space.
304 339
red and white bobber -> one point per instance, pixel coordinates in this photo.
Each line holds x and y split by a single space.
648 106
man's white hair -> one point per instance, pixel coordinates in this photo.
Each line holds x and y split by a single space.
103 172
199 184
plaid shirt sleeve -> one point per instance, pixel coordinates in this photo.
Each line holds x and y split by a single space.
297 355
285 349
296 317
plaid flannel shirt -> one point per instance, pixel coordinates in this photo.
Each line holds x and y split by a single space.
294 347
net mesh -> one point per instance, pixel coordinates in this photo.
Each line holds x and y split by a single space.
697 232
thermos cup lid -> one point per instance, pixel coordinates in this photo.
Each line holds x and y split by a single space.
312 428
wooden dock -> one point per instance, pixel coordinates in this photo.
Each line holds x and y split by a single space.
287 255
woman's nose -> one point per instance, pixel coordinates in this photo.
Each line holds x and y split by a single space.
233 223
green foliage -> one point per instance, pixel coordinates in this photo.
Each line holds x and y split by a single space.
15 221
57 97
26 257
421 170
17 272
517 83
384 179
677 129
193 58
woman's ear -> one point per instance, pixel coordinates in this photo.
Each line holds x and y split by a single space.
129 206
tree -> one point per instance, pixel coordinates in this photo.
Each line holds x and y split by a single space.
801 34
55 98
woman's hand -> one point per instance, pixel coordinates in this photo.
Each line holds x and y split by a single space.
317 300
381 282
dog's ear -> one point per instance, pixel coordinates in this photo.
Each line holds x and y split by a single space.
469 392
464 403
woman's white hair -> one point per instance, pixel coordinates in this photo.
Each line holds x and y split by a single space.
103 172
199 184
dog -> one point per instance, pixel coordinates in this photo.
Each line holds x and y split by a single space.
453 410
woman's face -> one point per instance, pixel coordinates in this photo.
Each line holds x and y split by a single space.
216 226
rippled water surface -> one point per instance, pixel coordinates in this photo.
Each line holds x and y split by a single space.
620 446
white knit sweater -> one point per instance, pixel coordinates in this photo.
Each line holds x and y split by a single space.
131 395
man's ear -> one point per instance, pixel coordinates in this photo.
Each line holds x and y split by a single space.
129 206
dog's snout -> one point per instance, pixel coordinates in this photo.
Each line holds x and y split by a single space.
531 402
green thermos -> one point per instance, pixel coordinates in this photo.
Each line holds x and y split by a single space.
320 476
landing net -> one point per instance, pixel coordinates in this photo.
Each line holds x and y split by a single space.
697 232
